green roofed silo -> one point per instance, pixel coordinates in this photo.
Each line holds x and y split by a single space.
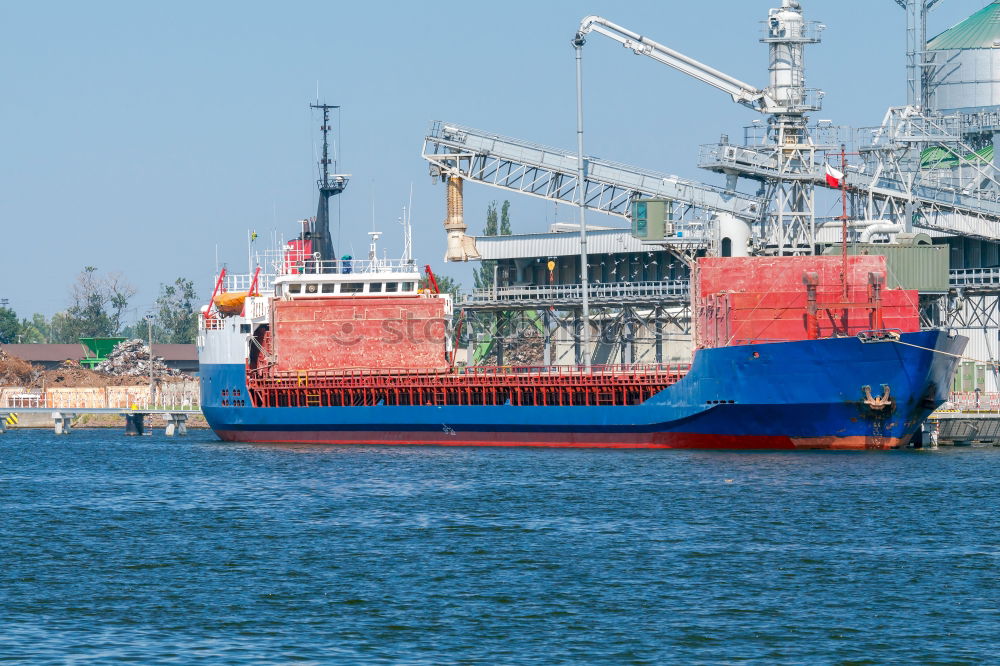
965 63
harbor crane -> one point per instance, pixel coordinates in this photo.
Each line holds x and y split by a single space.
790 224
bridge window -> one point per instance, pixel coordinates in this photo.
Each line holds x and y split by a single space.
409 286
312 288
352 287
392 286
329 287
294 288
374 287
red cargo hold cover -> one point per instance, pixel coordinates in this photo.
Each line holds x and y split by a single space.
748 300
335 334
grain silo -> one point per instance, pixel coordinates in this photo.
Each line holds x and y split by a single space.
965 63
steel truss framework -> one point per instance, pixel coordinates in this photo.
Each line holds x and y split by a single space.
551 173
790 225
923 170
958 193
620 335
974 311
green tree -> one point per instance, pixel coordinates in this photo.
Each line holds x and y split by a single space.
9 326
98 303
446 284
504 217
176 319
61 330
497 224
34 330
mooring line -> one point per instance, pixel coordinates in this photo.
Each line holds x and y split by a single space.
938 351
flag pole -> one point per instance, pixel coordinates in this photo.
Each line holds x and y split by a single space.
843 217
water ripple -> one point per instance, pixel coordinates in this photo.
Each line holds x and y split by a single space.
181 550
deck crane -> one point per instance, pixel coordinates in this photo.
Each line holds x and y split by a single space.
790 226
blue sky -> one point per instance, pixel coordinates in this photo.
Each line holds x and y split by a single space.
139 137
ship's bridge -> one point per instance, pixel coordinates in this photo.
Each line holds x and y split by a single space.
347 277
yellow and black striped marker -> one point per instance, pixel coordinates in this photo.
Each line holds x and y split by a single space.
11 419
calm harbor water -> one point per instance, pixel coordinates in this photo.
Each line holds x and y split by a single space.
157 550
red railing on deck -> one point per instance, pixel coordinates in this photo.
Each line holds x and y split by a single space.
539 386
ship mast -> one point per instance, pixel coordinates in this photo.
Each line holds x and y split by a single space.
329 184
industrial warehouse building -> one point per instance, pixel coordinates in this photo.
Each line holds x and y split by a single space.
183 358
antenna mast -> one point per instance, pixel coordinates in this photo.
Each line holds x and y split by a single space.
408 230
329 185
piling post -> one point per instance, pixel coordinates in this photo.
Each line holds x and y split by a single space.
134 423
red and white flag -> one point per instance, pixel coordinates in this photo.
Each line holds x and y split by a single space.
834 178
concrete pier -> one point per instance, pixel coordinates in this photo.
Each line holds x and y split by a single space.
62 422
62 418
176 424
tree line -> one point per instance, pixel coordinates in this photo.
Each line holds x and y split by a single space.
98 305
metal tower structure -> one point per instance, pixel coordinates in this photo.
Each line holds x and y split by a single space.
329 184
916 50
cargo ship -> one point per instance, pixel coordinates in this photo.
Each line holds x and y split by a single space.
791 352
363 357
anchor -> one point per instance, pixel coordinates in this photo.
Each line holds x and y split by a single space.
879 403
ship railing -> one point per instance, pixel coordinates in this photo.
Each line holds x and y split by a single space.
212 323
635 371
576 371
348 266
243 282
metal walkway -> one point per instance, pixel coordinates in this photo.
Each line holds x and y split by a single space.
976 280
612 294
979 281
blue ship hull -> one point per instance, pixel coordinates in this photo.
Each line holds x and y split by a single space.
805 394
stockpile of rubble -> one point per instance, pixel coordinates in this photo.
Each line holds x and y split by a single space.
17 372
131 359
527 349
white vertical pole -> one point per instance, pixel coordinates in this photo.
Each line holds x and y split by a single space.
581 174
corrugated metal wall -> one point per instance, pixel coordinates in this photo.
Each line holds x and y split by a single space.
920 267
967 78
